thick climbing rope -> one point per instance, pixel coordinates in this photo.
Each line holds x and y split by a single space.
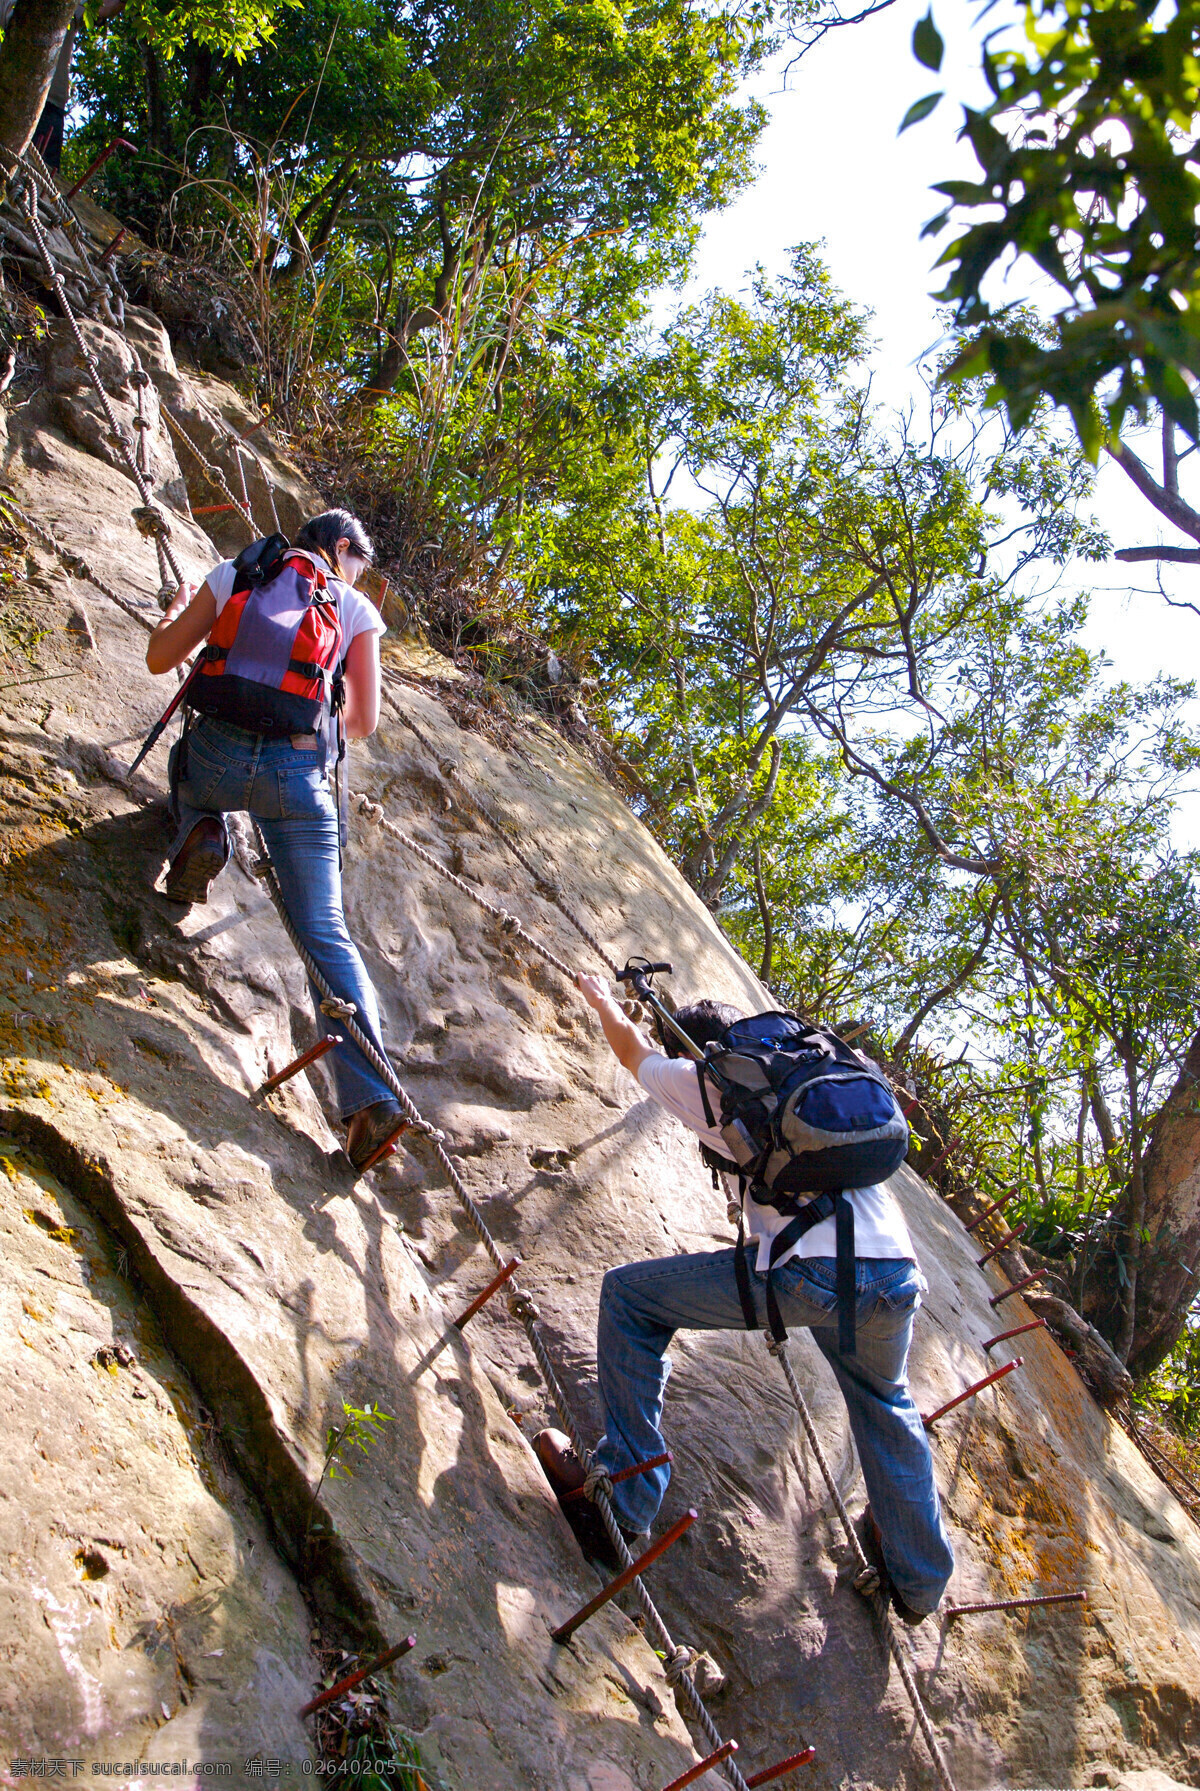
211 470
149 516
507 922
97 290
866 1577
74 562
547 886
520 1304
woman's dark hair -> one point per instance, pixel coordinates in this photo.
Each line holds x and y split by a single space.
325 531
703 1021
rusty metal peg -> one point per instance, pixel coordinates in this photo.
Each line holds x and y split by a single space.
117 143
297 1064
352 1679
113 246
1018 1287
803 1758
954 1144
701 1767
387 1147
1018 1231
996 1207
1037 1324
566 1630
987 1381
481 1299
1013 1604
639 1467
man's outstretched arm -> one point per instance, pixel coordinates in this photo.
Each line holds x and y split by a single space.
630 1047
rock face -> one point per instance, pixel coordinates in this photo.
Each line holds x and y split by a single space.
196 1292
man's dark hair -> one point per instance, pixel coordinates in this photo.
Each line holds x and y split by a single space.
331 526
703 1021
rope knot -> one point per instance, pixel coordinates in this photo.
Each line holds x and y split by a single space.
508 922
597 1480
447 768
139 378
866 1580
338 1010
521 1306
151 522
166 597
372 810
428 1131
775 1346
681 1662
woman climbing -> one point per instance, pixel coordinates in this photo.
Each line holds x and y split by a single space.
290 644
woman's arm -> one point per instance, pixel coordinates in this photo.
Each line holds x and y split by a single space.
361 714
189 621
630 1047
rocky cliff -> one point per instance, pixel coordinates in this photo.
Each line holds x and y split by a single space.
194 1289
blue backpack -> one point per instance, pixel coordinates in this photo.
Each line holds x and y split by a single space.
804 1118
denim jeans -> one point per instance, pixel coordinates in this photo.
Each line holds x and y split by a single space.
286 789
642 1306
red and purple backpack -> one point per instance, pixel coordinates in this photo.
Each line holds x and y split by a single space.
273 660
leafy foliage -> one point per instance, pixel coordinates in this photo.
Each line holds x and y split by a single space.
1088 165
361 1428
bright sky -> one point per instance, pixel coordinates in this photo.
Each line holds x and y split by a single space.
833 169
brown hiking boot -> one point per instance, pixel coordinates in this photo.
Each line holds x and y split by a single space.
566 1474
372 1129
871 1537
201 857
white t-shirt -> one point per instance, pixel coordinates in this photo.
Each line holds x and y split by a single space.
359 615
879 1228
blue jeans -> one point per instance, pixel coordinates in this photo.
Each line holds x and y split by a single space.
642 1306
286 789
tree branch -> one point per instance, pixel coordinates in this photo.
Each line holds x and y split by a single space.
860 767
947 989
1168 503
1178 556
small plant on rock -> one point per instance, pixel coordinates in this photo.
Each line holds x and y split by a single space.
360 1429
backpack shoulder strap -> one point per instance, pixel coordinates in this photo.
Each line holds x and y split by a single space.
705 1102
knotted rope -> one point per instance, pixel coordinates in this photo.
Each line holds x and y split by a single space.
74 562
159 527
212 471
866 1578
507 922
546 886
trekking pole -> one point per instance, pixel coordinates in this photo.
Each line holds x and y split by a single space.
155 734
637 974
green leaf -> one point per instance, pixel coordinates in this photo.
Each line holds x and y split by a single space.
918 110
927 42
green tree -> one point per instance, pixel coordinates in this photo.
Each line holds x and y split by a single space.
1087 163
37 30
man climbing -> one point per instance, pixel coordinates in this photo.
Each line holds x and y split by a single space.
643 1304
